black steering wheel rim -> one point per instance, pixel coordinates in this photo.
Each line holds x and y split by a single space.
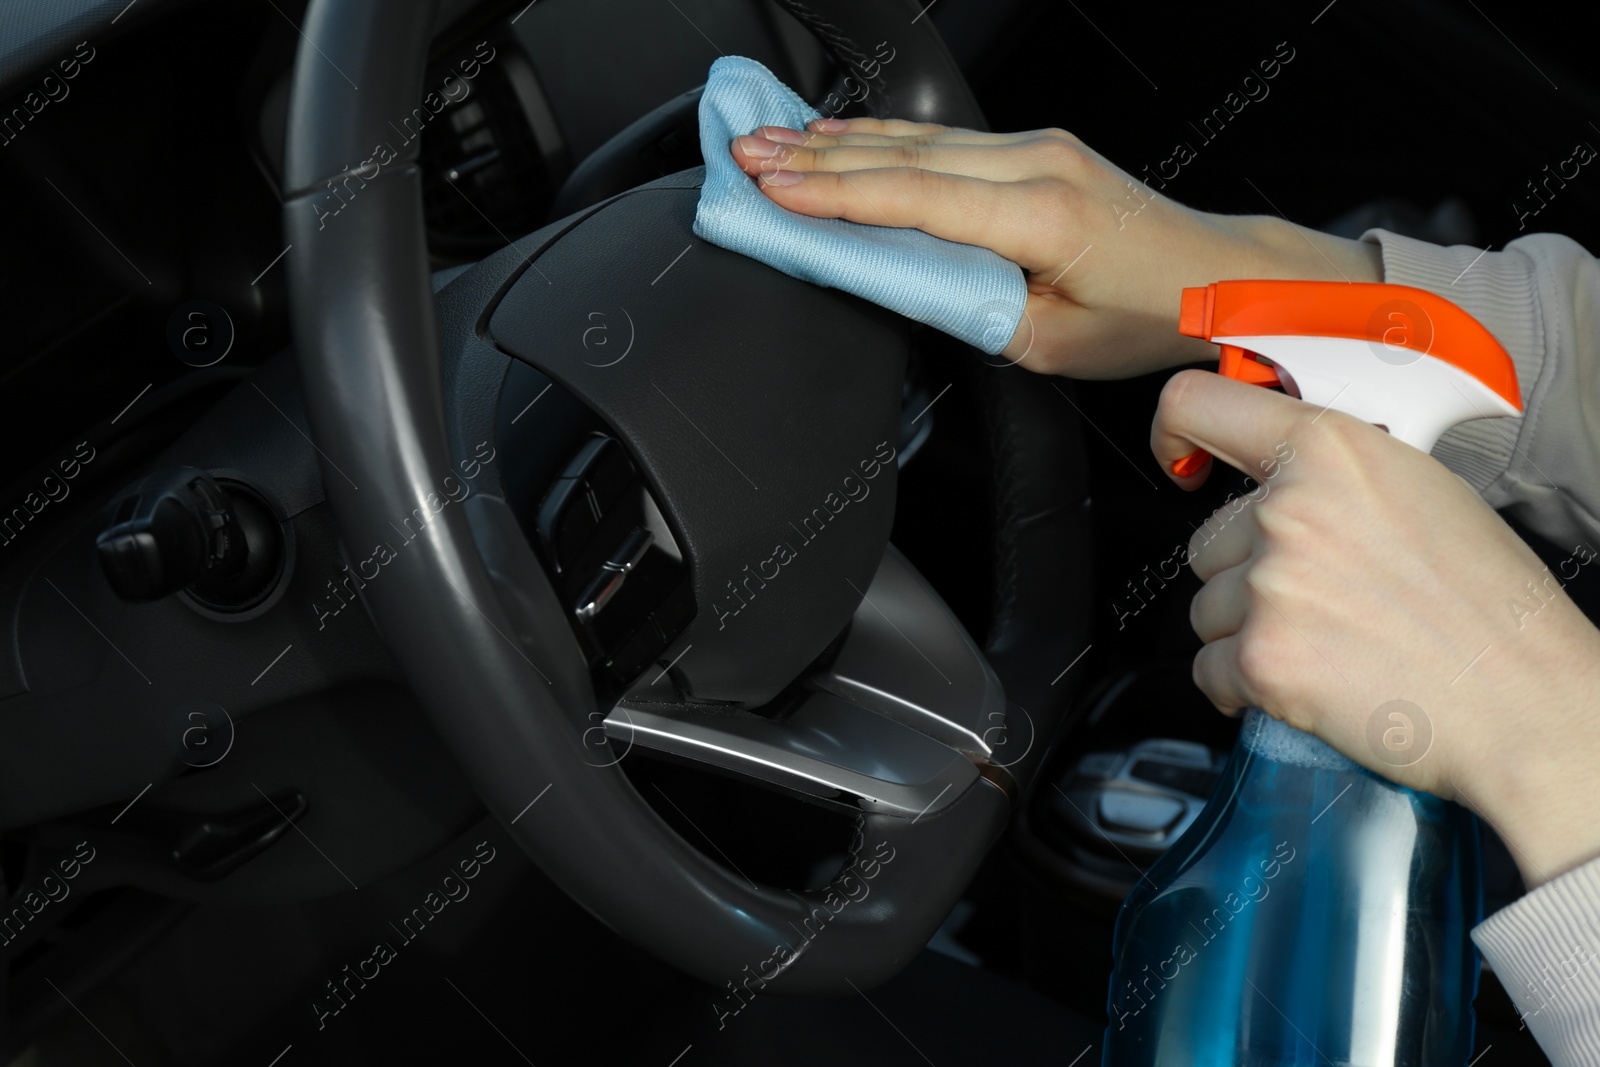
367 344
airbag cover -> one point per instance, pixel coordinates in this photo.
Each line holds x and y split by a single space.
762 411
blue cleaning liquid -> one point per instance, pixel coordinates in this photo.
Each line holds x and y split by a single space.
1314 914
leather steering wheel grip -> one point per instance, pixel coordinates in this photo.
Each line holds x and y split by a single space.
923 84
368 351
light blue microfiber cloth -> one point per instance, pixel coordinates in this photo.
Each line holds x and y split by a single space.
968 292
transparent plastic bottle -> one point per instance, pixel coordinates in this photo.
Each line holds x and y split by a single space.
1313 914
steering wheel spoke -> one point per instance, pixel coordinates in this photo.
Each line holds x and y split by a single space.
825 749
891 723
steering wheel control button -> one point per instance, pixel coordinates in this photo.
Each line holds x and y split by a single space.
567 519
652 639
616 566
182 529
1138 813
603 467
675 611
645 644
580 500
613 572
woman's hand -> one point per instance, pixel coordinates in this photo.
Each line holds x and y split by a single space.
1105 257
1359 572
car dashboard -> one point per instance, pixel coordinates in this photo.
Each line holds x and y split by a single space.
141 151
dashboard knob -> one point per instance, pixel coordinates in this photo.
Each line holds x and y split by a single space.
179 529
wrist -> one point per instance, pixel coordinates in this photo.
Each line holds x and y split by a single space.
1244 247
1284 250
1536 779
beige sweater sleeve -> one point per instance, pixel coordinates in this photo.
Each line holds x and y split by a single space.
1541 299
1542 949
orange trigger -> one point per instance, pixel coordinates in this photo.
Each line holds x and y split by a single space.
1242 365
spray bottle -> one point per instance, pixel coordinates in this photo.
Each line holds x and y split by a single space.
1316 913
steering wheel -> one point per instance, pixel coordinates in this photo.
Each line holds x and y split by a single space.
836 674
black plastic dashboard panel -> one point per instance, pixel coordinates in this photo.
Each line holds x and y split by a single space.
104 678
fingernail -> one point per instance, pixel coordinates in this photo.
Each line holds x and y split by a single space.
783 177
783 134
758 147
828 125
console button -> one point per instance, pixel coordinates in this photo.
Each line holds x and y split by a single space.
1140 813
1100 764
1195 781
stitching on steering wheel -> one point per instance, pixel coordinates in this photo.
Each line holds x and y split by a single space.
839 45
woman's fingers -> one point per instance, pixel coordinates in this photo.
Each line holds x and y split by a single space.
925 132
916 133
1004 192
1216 673
758 155
1219 609
885 127
1227 538
1012 218
810 138
1242 425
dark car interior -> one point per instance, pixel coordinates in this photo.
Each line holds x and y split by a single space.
387 541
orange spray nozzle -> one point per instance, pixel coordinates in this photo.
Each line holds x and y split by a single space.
1402 357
